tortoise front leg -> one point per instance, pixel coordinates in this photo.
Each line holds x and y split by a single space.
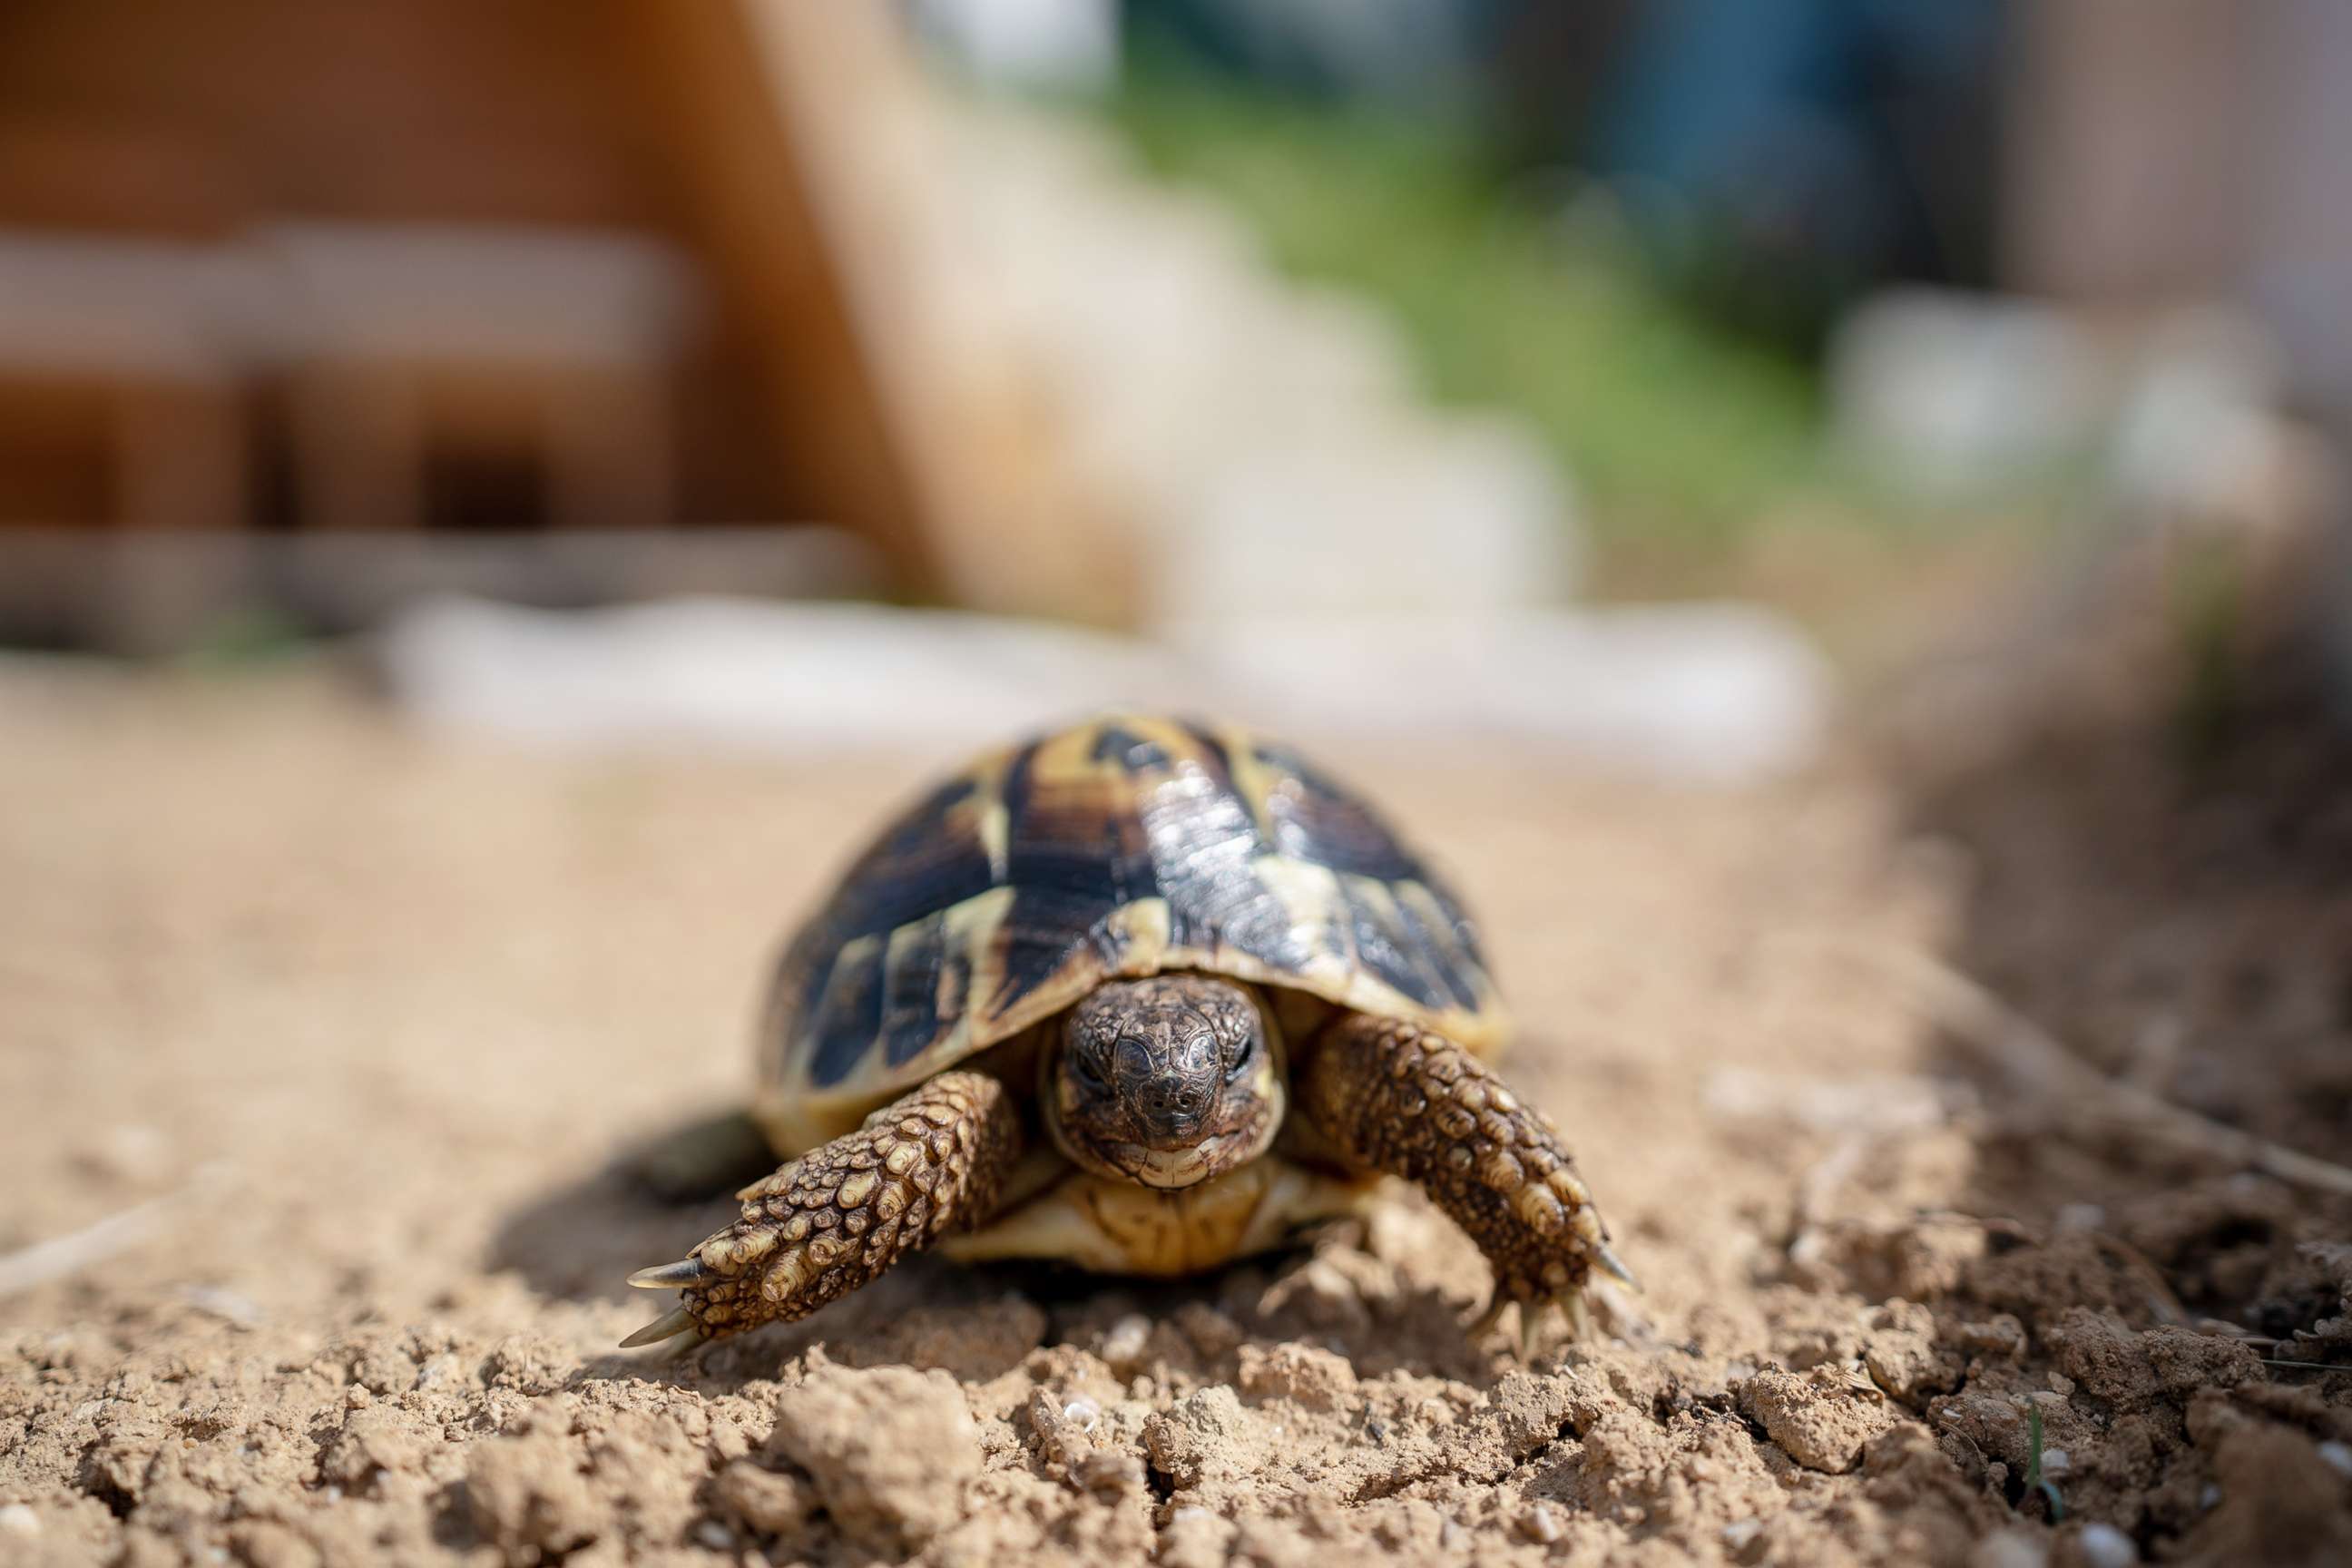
1400 1099
837 1217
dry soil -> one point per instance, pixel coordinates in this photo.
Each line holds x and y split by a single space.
320 1038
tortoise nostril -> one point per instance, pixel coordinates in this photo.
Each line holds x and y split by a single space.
1175 1102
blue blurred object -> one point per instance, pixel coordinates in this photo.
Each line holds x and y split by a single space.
1815 147
1403 52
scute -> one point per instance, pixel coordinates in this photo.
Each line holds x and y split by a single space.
1127 845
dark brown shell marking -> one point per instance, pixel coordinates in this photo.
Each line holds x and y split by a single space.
1125 846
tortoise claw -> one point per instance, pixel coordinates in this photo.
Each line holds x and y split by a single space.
1532 1317
669 1325
1486 1320
1609 1260
675 1275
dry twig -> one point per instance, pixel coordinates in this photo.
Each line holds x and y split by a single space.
1973 1014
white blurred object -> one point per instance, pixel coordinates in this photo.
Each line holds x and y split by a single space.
744 675
2195 437
1459 516
1698 694
1067 44
1268 446
130 309
1948 395
473 293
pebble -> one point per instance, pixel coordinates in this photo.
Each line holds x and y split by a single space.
1083 1411
1740 1531
714 1535
2009 1549
1122 1347
132 1152
2339 1454
2104 1546
1539 1523
225 1304
2055 1462
18 1520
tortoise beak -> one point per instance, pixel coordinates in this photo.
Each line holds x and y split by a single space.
1172 1168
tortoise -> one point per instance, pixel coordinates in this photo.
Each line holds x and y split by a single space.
1143 994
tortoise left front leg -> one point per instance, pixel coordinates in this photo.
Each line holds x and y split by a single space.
1411 1102
833 1220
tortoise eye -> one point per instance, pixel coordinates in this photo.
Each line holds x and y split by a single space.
1243 1055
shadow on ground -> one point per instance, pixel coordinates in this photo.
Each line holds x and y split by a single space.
583 1238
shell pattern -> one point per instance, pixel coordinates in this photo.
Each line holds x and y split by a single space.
1126 846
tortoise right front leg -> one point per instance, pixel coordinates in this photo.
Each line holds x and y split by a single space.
834 1220
1396 1098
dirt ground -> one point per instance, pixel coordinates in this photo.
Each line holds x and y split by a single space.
319 1037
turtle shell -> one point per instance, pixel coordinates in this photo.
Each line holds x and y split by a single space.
1126 846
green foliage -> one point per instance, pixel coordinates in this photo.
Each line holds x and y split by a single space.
246 636
2033 1477
1674 428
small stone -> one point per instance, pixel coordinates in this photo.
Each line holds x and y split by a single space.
714 1535
1084 1412
1539 1523
131 1152
1122 1347
1740 1531
19 1521
225 1304
2339 1456
2009 1549
2104 1546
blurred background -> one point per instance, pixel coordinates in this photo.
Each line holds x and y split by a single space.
1826 517
1618 375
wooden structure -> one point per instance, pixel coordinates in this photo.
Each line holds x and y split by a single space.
447 266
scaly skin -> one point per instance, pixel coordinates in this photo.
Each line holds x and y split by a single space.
834 1220
1400 1099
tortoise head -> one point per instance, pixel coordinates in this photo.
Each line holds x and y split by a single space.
1166 1081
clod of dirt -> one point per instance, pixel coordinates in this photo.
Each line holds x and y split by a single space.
374 1442
2135 1371
888 1448
1204 1437
1314 1378
527 1496
1820 1419
765 1504
1902 1355
2278 1502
